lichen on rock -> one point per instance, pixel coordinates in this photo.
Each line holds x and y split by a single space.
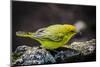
35 56
85 47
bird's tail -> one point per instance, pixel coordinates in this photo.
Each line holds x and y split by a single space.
25 34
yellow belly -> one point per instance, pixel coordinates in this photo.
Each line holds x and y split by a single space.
51 45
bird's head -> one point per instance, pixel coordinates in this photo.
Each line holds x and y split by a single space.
71 29
76 28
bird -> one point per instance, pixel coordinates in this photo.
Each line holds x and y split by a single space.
52 36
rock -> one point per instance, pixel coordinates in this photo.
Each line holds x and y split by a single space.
38 55
25 55
19 51
35 56
22 49
65 54
85 47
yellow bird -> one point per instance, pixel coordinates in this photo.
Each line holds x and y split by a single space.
53 36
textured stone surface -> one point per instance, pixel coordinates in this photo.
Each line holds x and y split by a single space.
25 55
35 55
85 47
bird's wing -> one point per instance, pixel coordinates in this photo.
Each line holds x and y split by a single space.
56 37
44 35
